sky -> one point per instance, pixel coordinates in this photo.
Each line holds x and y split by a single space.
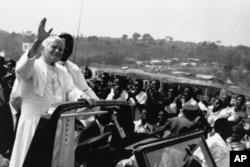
227 21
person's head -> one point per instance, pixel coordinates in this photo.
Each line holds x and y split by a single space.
188 93
69 45
172 92
117 90
155 85
117 81
223 127
11 63
240 100
212 100
87 73
162 116
122 82
138 84
226 99
217 105
16 102
238 133
144 113
104 79
52 52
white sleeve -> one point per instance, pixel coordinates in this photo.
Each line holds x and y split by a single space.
81 82
25 66
90 94
73 92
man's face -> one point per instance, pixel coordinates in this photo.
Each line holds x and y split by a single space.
53 51
237 135
137 87
161 116
87 74
116 82
217 105
103 80
155 85
239 101
68 49
226 99
117 90
187 93
144 114
170 92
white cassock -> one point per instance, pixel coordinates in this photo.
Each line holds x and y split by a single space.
40 85
78 78
75 74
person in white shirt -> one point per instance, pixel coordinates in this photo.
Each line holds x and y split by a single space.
217 144
137 96
75 73
118 91
214 112
188 98
239 110
171 102
73 70
142 125
227 109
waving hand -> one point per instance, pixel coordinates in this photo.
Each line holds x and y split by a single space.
41 36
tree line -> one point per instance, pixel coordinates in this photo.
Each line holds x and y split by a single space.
235 61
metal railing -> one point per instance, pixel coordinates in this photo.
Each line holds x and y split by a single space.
40 153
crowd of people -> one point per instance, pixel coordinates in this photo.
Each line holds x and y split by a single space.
7 77
39 80
175 110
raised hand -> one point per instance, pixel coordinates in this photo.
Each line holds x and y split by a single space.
42 34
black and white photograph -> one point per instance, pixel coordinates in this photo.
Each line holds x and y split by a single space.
84 82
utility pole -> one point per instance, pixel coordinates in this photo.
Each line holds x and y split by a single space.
78 30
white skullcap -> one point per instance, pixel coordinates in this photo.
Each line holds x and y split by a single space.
49 39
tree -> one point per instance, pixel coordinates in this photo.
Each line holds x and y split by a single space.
218 42
124 37
92 39
147 37
144 56
136 36
247 64
161 42
168 38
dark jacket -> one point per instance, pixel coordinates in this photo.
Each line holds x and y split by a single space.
7 133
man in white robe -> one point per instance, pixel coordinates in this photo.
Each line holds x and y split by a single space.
73 70
41 82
